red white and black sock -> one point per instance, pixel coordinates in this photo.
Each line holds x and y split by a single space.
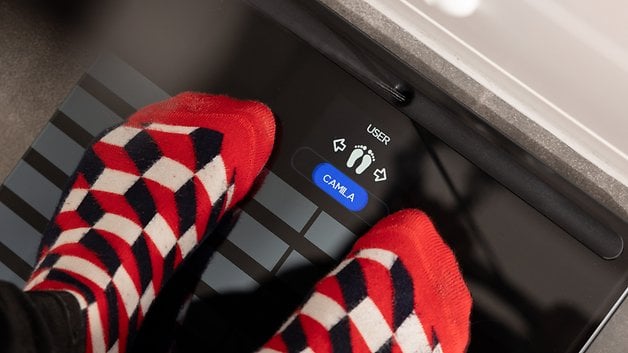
398 290
142 199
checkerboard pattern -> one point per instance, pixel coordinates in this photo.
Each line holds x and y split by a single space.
355 320
380 300
143 197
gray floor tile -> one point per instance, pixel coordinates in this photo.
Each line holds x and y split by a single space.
126 82
59 149
18 235
285 202
7 275
88 112
224 276
295 261
330 236
34 188
257 241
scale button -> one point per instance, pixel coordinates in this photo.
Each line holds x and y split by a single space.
340 187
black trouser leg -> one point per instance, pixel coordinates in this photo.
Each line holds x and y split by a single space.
40 322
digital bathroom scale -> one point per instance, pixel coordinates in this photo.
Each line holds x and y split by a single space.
360 136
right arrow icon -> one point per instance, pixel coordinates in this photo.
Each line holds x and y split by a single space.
380 174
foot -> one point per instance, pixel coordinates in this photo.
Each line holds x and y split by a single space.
399 290
142 199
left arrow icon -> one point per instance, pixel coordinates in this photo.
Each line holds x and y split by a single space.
339 145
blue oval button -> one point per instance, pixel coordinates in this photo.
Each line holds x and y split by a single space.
340 187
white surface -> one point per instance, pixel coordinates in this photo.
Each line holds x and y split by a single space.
458 8
562 63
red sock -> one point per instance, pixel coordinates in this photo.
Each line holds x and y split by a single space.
398 290
142 199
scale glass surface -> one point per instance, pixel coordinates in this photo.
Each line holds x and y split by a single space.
345 157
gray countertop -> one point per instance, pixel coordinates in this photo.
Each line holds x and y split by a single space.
506 119
40 61
488 105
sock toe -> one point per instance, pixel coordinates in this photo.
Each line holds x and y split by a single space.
440 291
398 290
248 129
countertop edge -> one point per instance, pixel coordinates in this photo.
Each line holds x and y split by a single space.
522 130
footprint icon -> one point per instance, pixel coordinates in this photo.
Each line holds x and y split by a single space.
360 153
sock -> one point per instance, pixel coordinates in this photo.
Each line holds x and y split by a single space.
398 290
142 198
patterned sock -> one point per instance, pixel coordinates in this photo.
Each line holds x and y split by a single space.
398 290
142 198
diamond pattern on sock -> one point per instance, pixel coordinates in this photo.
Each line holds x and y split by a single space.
371 324
114 181
206 145
125 218
359 314
74 199
142 198
121 136
89 209
399 290
91 166
169 173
